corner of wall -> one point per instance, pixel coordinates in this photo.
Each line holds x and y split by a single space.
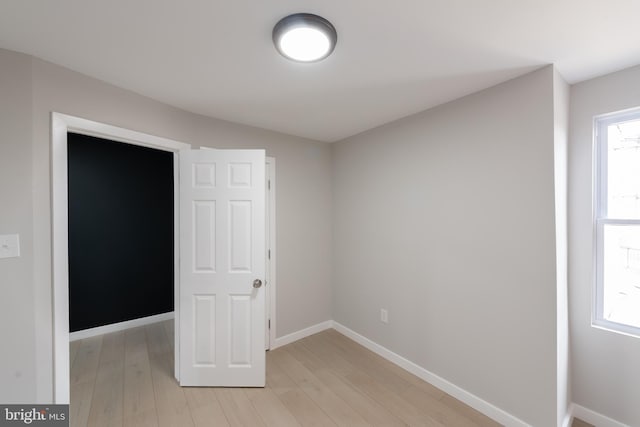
561 126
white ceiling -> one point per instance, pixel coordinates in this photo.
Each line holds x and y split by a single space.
393 58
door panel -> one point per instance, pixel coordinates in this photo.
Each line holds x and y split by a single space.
204 236
204 313
240 344
222 222
240 236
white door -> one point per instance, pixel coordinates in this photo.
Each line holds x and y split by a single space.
222 268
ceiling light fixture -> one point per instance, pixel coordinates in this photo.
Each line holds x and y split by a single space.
304 37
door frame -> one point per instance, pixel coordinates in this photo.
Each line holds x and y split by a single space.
270 241
61 124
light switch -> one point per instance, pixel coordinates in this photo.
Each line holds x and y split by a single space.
9 245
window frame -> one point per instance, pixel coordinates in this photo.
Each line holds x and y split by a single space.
600 218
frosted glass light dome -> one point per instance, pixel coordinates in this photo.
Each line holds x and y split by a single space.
304 37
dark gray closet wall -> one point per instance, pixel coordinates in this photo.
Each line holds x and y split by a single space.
121 259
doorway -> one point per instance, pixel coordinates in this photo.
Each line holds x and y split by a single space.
61 126
121 230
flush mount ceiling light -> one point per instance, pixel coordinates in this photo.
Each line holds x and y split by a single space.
304 37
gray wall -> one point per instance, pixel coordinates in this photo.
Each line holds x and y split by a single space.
35 89
17 331
605 368
446 219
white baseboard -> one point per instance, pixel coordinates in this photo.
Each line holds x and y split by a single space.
121 326
593 417
295 336
474 401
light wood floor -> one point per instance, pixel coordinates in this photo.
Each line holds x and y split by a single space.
580 423
126 379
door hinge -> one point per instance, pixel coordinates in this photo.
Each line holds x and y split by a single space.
269 323
269 253
269 184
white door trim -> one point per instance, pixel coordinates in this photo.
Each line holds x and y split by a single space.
271 247
60 125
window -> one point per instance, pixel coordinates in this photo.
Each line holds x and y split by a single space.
617 222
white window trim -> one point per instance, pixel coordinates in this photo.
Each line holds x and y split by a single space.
600 136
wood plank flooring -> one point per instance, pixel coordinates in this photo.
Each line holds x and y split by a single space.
580 423
126 379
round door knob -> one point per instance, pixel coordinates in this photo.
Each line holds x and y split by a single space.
257 283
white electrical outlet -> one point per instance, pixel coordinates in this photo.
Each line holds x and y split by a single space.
9 246
384 315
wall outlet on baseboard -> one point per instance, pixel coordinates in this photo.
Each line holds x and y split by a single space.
384 315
